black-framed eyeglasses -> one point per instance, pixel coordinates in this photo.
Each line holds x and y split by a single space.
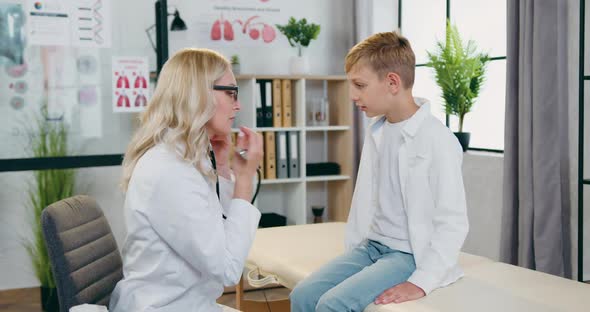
234 90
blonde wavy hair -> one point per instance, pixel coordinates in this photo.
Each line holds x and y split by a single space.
179 109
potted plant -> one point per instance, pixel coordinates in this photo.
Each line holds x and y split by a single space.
299 34
48 186
460 73
235 64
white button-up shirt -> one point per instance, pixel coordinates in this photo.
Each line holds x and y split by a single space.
179 252
432 191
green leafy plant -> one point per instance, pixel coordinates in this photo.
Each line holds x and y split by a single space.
235 59
299 33
459 72
49 139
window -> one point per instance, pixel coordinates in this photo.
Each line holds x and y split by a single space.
482 21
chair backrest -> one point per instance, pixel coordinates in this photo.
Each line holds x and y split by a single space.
84 257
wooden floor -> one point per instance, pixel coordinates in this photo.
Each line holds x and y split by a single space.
20 300
268 300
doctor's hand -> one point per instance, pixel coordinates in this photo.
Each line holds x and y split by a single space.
400 293
245 169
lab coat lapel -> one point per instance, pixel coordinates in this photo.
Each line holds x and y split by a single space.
403 169
408 153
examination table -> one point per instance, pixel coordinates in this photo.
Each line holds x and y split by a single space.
286 255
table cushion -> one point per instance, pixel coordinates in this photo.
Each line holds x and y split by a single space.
291 253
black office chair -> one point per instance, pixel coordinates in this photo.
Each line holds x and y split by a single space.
85 260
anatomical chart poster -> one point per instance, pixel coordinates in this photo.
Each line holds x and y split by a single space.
130 84
241 23
92 24
80 23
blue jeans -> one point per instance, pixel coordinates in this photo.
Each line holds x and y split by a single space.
353 280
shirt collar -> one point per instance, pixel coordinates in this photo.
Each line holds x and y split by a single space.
412 125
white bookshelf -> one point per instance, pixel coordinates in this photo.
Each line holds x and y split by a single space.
327 128
327 178
293 197
279 181
273 129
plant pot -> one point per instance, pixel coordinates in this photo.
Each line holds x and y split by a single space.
298 65
317 211
463 138
49 301
235 68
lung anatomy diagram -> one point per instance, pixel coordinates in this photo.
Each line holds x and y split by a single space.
224 29
125 89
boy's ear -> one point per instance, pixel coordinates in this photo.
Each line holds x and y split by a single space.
394 81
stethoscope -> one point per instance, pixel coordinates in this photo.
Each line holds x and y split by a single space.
243 154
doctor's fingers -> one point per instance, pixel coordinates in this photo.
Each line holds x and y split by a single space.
259 142
255 143
244 137
256 149
250 139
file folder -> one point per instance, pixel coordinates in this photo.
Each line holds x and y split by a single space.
277 119
282 168
286 103
270 171
267 104
258 102
293 151
262 162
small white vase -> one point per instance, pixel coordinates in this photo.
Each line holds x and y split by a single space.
235 68
298 65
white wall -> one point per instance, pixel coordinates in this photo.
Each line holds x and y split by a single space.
325 55
482 174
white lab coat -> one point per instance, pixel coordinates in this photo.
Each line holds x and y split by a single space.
433 195
179 252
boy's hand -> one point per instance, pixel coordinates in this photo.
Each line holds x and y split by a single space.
400 293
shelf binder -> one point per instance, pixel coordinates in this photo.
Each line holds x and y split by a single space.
286 109
282 168
270 170
277 114
293 152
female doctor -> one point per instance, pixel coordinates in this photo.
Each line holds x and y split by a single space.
185 240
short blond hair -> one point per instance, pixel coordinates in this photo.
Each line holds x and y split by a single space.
385 52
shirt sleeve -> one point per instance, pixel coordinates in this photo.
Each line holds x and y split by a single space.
185 216
449 221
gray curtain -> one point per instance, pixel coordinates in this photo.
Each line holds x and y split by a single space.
536 215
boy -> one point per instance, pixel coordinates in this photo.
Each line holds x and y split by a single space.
408 217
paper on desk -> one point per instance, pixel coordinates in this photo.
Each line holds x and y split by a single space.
89 308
